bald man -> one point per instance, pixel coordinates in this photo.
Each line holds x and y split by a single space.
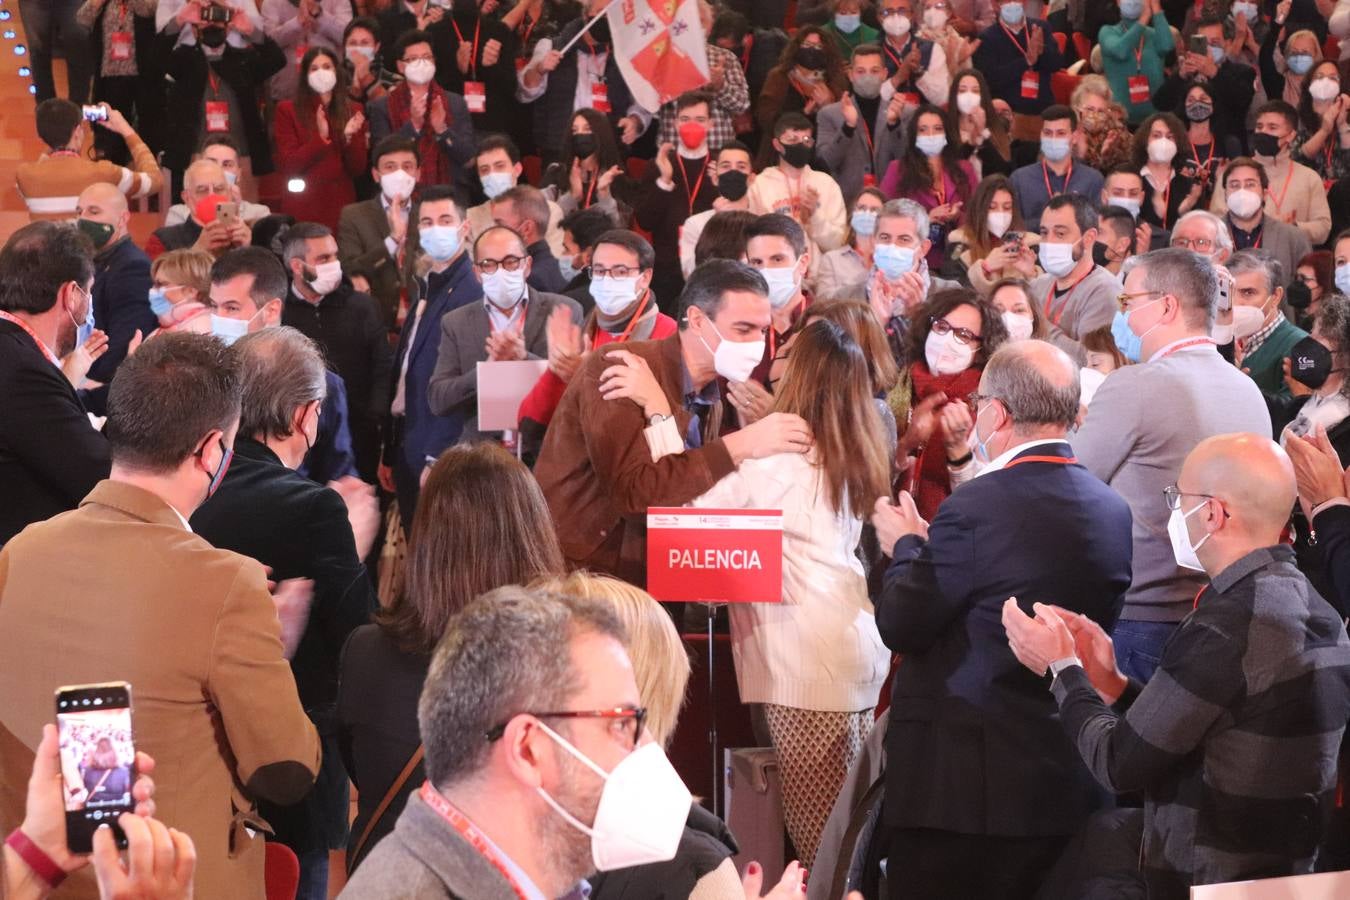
204 187
1233 742
977 765
121 284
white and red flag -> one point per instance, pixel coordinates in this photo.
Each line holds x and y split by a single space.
660 48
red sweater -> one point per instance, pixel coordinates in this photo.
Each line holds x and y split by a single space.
327 167
540 403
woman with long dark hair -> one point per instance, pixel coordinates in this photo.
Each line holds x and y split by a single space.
815 660
993 243
590 164
481 523
809 75
932 173
1172 185
321 141
985 142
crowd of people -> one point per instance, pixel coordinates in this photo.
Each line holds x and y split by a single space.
1032 317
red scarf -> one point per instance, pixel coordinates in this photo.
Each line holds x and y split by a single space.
932 485
435 167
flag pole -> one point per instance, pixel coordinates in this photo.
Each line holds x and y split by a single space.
587 27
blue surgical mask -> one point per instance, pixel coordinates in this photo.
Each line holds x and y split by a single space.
1127 342
1012 14
893 261
931 144
847 23
864 222
160 304
569 271
1249 10
85 328
978 448
1216 53
227 329
497 183
1300 63
1054 149
1343 279
440 241
1131 9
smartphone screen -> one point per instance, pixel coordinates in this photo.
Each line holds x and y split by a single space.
1199 44
95 114
98 759
1013 241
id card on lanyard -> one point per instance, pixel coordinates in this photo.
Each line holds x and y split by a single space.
119 46
475 96
217 110
1140 92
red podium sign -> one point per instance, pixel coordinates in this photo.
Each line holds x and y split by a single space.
715 555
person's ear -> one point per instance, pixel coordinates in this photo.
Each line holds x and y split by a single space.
209 454
803 264
924 247
518 170
521 743
272 312
644 281
1090 237
1278 294
525 266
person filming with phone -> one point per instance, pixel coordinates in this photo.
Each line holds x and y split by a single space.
192 628
51 183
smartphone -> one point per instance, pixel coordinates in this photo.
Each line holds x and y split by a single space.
216 15
1200 44
227 213
97 113
98 759
1012 241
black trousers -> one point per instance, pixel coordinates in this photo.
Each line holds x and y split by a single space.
926 863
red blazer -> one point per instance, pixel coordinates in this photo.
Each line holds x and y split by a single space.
327 167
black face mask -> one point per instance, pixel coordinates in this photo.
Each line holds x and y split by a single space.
213 37
811 58
1265 144
583 145
796 155
1100 255
1298 295
1310 363
732 184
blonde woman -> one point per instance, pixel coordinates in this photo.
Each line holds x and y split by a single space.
180 291
1106 141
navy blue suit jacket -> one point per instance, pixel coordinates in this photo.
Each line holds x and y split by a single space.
975 744
425 433
121 307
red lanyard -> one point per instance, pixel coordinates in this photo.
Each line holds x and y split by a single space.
590 191
1167 202
469 831
940 188
525 38
1045 172
745 52
473 60
1284 192
46 351
632 323
1054 460
1049 297
1025 51
214 80
1198 594
1213 145
886 45
773 332
1139 57
1193 342
698 185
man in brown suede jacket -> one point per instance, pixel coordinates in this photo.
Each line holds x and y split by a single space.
596 467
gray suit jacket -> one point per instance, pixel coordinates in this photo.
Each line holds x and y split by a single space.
362 228
464 334
849 157
1142 423
424 859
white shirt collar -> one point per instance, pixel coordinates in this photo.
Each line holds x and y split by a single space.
186 526
1006 456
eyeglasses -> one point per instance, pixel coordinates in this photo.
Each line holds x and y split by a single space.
1173 494
963 335
619 272
509 263
1123 299
804 142
1199 245
627 718
413 59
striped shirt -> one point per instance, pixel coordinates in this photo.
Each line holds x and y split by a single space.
52 184
1234 741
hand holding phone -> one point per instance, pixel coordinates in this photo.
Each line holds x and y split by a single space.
95 113
227 214
98 759
1012 242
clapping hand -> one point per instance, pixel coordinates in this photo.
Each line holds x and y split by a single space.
506 344
896 520
565 346
1039 641
1317 468
76 364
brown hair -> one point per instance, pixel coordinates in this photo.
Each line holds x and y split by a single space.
1101 341
481 523
858 320
850 446
187 267
982 241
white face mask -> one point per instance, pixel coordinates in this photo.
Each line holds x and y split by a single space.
419 71
935 19
782 285
504 289
967 103
734 360
327 276
1161 150
1247 320
642 810
1131 205
497 183
1182 548
367 52
321 81
999 223
1323 89
613 295
946 355
1244 203
1057 259
397 183
230 330
1019 326
895 26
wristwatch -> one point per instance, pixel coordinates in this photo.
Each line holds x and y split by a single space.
1060 665
656 419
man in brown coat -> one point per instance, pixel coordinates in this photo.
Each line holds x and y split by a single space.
122 590
596 467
